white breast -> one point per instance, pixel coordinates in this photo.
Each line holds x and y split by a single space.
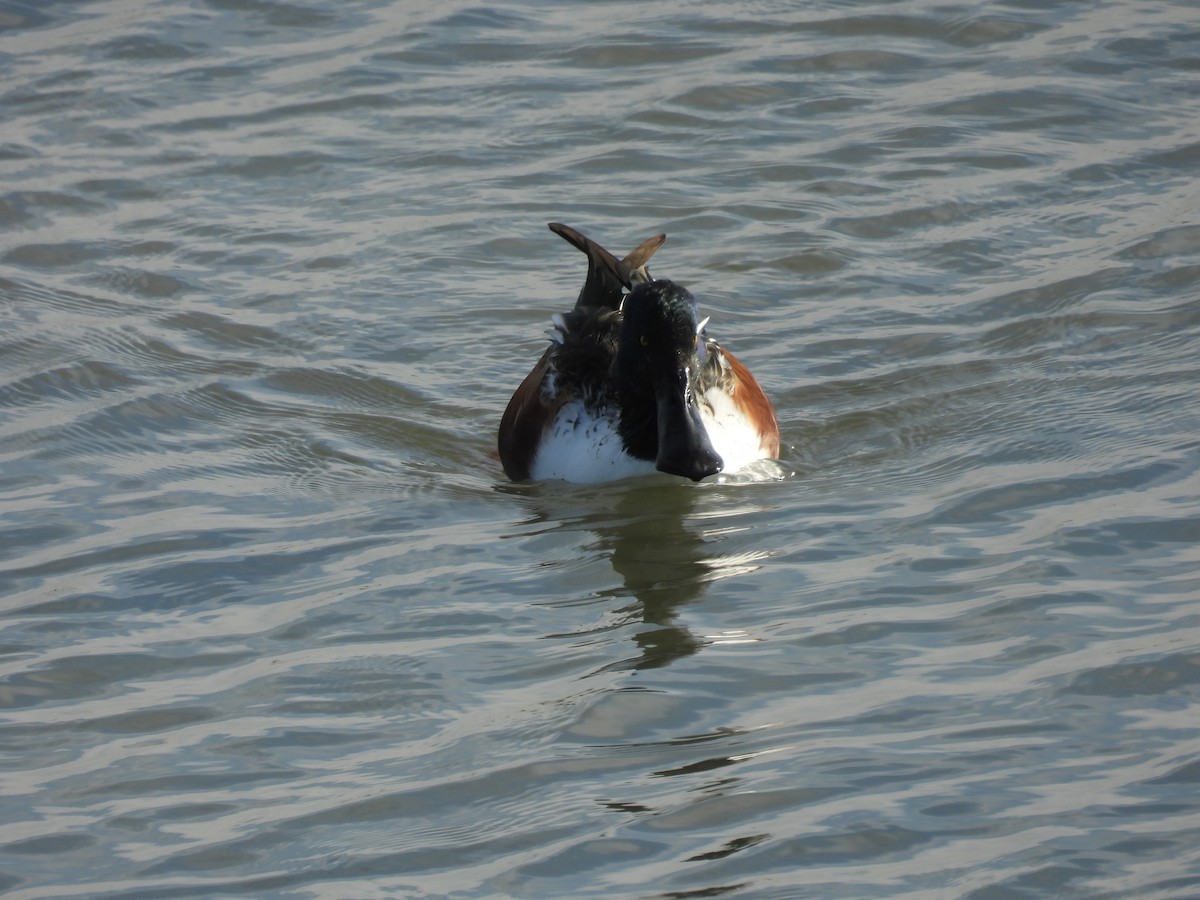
581 448
584 449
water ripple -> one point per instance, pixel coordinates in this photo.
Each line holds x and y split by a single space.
272 621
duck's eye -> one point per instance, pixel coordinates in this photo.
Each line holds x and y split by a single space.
644 341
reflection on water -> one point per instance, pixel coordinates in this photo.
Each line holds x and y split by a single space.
272 622
665 553
662 561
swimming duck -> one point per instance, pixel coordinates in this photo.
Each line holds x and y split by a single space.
632 383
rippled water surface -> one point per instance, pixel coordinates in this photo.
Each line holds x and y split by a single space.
272 621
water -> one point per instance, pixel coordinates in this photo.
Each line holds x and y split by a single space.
272 621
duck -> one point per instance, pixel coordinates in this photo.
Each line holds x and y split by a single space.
632 384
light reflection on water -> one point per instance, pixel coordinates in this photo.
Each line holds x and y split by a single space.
272 621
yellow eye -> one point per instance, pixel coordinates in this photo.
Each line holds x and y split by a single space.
645 341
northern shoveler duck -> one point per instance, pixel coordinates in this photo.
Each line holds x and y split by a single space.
631 383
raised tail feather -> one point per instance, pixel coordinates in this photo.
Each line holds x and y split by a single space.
608 276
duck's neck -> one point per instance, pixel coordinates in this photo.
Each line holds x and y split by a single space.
638 423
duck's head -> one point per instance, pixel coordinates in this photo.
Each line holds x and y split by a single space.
659 354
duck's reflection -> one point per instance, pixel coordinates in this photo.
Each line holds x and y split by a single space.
660 556
667 553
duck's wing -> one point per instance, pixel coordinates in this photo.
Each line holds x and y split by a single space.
607 276
524 420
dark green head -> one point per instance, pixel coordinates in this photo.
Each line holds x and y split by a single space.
659 354
659 328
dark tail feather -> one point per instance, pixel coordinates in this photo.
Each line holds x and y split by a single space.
607 276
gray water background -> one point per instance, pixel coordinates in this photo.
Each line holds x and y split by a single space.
272 621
